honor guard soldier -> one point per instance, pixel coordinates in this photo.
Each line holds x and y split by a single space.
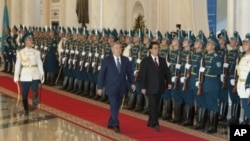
30 69
81 61
128 53
233 61
147 38
65 58
14 41
188 98
71 69
76 60
8 51
197 61
87 65
51 61
223 96
136 59
167 96
175 69
94 60
243 85
212 71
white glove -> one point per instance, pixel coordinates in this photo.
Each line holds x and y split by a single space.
202 69
173 79
93 64
168 63
177 66
15 79
187 66
130 58
96 54
183 79
248 91
99 67
138 61
86 64
232 81
197 83
83 53
42 78
90 54
102 56
135 72
225 65
222 77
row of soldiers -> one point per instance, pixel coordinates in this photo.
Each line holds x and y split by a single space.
202 76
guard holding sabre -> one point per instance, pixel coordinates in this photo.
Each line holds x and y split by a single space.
29 70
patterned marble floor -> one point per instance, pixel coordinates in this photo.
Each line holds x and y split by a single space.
39 126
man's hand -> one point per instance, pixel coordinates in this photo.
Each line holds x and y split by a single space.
143 91
99 92
133 87
169 86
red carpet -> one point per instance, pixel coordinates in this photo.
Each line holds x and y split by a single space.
130 126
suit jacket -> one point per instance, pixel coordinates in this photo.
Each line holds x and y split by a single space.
111 79
152 79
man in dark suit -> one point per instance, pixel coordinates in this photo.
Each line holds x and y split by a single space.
115 69
155 76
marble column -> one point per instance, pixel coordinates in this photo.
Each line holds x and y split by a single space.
114 15
242 19
231 18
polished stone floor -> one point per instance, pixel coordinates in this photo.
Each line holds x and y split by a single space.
39 126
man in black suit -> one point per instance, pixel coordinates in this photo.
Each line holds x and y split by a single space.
155 76
113 75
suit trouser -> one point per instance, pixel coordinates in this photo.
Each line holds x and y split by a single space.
115 104
154 100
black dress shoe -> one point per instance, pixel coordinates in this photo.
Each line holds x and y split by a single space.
117 129
110 127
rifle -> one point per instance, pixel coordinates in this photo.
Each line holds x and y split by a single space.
168 59
90 61
187 73
137 74
71 57
82 62
201 77
225 72
236 75
96 61
177 72
75 57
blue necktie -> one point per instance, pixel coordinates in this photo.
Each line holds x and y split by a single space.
118 65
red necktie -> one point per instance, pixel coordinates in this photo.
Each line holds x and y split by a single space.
156 64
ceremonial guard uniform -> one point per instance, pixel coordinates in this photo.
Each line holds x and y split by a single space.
243 85
233 61
175 69
197 60
223 94
30 69
212 71
188 97
167 96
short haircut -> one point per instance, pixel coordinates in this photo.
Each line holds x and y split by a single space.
153 43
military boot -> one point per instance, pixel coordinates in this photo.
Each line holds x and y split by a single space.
168 108
189 116
132 101
75 86
26 107
65 83
92 91
201 119
86 88
139 103
70 84
223 112
213 121
80 87
178 108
